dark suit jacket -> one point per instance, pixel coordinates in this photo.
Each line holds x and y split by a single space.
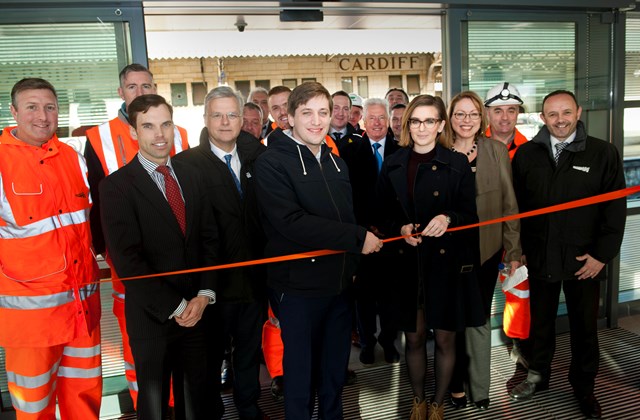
363 173
239 226
143 237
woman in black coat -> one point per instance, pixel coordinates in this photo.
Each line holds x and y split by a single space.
426 188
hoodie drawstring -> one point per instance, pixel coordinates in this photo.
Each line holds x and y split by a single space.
304 169
334 162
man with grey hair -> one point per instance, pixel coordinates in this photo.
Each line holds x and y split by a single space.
225 156
364 159
260 97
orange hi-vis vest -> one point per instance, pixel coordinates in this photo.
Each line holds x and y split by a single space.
518 140
516 319
48 274
115 147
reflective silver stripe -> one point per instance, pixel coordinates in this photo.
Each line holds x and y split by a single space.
85 173
82 351
45 301
118 295
129 366
35 406
13 231
108 147
177 140
31 382
522 294
79 373
133 385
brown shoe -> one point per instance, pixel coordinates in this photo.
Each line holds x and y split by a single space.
436 411
419 409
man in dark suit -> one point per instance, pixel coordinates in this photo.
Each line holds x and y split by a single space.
156 218
340 130
364 159
225 158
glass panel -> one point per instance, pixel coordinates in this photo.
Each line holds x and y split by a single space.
632 58
347 84
363 86
535 67
629 261
82 61
79 59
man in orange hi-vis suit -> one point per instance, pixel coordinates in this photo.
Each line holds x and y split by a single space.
110 147
49 296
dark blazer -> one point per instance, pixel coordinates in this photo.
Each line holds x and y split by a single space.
143 237
363 174
239 226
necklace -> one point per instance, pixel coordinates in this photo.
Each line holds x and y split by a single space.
470 152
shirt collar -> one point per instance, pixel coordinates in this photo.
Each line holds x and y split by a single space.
555 141
221 153
150 166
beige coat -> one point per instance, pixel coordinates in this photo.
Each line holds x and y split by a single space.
495 198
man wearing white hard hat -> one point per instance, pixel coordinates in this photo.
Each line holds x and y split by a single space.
356 112
503 103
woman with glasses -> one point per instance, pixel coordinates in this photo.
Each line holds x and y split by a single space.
424 188
489 160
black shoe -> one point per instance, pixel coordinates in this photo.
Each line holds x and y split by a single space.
590 406
459 402
226 376
483 404
352 378
527 389
277 388
391 355
367 356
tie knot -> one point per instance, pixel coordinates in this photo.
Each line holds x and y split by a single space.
163 169
376 146
560 146
228 158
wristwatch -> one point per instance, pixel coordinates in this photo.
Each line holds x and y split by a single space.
448 219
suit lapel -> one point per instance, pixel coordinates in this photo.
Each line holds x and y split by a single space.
150 191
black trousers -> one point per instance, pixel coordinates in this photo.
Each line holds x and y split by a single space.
242 323
582 298
371 292
316 332
181 354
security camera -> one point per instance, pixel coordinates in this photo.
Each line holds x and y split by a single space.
240 24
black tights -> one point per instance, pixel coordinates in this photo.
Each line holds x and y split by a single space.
416 357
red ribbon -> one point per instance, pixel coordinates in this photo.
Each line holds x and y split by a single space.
558 207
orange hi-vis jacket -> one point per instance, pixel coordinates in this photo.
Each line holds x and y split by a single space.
48 273
516 319
115 147
518 140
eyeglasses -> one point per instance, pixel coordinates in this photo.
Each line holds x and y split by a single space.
217 116
460 116
428 123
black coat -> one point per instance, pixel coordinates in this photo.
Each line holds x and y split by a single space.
143 237
587 167
307 206
363 174
441 270
239 227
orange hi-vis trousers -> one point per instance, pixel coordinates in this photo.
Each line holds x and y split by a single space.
70 373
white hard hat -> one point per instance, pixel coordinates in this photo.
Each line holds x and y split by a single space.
503 94
356 100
